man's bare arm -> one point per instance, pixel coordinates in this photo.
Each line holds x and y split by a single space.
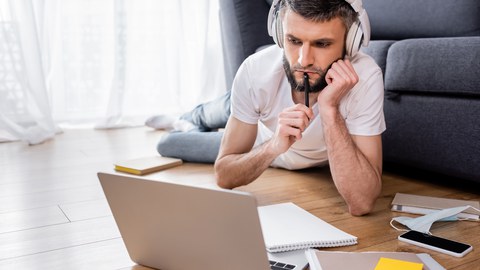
355 164
355 161
237 163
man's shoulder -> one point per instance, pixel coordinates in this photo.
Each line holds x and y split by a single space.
266 56
265 64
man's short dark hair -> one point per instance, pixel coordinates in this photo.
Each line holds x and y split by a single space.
322 10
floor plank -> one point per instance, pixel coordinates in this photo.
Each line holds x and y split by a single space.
86 210
32 218
108 254
50 198
55 237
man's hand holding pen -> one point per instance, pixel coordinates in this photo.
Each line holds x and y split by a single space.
291 123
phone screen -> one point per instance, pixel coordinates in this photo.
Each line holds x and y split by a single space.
435 241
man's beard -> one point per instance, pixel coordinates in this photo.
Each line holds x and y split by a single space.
317 86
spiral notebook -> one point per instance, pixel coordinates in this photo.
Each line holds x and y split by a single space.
288 227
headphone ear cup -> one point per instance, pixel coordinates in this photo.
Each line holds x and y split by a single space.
354 39
275 24
273 31
279 32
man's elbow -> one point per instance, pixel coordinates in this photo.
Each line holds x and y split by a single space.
363 207
221 180
226 180
364 203
360 210
223 183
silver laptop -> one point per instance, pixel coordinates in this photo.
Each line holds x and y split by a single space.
172 226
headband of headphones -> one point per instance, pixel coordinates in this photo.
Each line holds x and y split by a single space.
358 34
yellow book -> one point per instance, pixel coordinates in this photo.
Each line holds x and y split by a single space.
145 165
393 264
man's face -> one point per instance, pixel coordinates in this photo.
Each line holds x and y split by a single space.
311 47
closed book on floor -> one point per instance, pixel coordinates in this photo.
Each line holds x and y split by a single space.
288 227
417 204
145 165
334 260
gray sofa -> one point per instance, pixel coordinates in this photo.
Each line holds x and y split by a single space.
429 51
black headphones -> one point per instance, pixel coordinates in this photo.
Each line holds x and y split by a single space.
358 34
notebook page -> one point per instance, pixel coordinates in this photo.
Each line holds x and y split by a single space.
288 227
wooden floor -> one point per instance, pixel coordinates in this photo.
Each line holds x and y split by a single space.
53 213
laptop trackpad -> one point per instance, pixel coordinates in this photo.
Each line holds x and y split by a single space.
296 258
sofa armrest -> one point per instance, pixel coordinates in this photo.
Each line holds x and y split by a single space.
244 29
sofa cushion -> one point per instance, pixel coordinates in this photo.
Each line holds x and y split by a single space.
378 50
402 19
436 66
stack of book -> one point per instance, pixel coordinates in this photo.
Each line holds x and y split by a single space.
417 204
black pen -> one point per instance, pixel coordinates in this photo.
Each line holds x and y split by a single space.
306 83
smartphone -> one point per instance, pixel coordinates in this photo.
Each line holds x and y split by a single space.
436 243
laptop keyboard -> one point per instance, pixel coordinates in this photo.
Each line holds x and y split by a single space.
280 266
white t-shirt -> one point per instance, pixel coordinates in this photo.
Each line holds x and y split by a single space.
261 91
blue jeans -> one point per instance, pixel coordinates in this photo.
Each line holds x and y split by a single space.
210 115
199 145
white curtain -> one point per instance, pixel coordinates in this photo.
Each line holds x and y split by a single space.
24 107
113 63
